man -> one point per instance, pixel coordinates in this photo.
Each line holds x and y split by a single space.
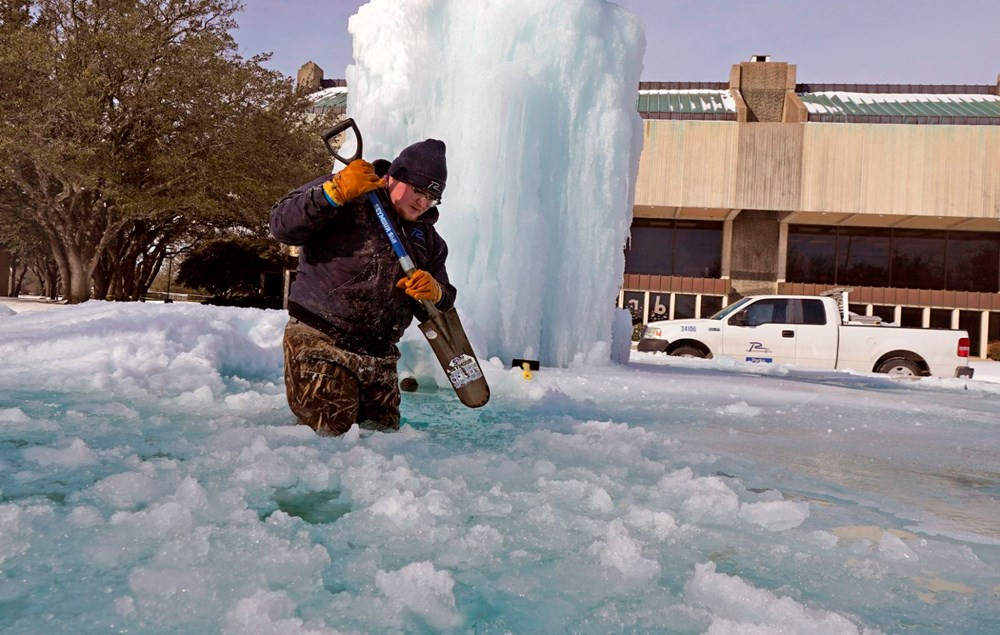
350 301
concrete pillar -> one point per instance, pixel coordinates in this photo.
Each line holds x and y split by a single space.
763 86
727 249
984 333
310 77
727 243
754 261
782 251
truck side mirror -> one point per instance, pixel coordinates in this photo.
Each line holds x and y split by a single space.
740 319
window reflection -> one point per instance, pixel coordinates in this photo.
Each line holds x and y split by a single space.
901 258
863 257
812 254
973 260
917 259
698 249
710 305
683 306
675 248
650 250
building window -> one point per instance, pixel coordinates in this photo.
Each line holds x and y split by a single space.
972 322
973 261
901 258
912 317
863 257
940 319
710 305
812 254
887 313
917 259
993 328
684 305
698 249
675 248
650 250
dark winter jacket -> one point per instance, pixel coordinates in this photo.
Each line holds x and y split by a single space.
347 270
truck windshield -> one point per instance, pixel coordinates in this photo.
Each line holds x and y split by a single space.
721 315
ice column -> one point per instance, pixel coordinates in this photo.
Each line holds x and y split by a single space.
536 102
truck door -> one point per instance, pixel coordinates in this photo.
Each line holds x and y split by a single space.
761 333
816 335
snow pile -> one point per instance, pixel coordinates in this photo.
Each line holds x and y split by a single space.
152 479
737 607
181 355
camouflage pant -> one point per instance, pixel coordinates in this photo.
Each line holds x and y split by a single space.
330 389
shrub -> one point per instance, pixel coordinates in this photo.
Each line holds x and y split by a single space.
993 350
231 266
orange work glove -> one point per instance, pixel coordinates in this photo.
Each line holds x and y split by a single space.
422 286
356 179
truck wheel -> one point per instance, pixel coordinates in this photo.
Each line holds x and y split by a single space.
688 351
899 367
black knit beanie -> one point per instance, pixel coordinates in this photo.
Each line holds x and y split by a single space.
422 165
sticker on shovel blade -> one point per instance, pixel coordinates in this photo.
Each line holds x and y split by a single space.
463 370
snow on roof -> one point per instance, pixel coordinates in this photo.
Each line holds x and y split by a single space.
687 100
901 104
328 92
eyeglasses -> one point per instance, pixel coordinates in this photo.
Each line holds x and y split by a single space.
427 196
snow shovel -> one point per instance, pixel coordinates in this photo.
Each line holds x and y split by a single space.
442 329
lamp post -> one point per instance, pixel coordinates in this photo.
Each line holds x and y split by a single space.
170 262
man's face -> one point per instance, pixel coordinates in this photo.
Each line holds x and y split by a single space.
409 202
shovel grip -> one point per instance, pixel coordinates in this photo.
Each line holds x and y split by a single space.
336 130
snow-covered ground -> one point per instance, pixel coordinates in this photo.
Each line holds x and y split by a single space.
151 479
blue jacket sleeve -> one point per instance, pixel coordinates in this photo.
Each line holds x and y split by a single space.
301 213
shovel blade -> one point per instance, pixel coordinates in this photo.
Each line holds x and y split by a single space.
450 344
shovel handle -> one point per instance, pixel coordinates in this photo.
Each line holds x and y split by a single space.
378 200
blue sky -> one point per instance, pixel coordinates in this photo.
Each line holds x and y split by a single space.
869 41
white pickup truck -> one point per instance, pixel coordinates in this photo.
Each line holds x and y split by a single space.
813 332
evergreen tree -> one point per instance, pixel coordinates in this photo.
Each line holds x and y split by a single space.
131 124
